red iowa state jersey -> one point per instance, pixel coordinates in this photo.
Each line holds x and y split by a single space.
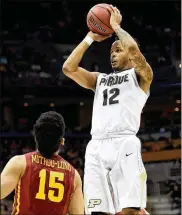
46 186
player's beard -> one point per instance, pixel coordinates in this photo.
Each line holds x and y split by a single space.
121 66
115 66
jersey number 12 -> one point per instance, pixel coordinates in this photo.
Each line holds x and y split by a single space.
112 94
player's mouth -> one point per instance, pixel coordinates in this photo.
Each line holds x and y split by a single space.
113 62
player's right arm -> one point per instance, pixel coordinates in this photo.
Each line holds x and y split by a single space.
11 174
71 67
76 205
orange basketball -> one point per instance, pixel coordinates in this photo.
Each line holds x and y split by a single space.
98 20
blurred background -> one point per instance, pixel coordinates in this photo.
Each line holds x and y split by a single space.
37 37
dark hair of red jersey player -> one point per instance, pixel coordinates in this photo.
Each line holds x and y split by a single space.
44 182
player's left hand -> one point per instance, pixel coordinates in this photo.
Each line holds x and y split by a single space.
116 16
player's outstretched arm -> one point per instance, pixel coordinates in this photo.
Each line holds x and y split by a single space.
71 67
76 205
140 64
11 174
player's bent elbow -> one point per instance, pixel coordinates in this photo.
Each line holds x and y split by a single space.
67 69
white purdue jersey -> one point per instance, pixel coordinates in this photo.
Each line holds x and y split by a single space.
118 104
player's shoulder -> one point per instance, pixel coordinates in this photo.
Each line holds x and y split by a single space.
18 163
96 73
18 159
29 154
102 75
73 172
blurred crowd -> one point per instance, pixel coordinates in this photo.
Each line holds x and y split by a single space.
17 116
174 191
31 53
38 38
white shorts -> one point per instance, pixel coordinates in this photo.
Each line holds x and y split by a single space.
115 177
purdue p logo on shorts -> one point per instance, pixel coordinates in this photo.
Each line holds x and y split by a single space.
94 202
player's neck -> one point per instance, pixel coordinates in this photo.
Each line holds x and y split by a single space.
122 70
127 67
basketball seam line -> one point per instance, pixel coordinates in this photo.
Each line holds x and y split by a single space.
99 19
104 8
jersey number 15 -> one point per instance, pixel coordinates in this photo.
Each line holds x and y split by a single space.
55 180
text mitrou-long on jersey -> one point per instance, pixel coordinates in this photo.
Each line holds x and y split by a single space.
46 186
118 104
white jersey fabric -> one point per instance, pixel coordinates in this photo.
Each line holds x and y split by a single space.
118 104
114 175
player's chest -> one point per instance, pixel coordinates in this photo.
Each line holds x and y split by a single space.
114 80
121 82
110 89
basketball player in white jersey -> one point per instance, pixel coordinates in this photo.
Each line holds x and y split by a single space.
115 177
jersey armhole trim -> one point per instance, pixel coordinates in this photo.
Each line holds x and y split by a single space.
145 93
96 82
25 170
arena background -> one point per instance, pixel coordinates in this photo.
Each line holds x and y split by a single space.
37 37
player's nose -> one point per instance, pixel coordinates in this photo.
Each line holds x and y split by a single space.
113 56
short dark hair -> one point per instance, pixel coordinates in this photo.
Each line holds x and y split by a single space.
47 131
137 42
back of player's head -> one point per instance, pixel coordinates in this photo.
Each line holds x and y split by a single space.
48 131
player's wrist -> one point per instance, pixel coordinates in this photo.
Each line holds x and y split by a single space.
88 39
115 26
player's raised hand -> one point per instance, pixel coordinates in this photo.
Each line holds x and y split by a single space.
116 16
97 37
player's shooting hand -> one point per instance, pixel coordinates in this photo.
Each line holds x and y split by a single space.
97 37
116 16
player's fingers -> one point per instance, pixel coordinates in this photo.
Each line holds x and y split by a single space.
105 37
109 9
96 35
112 8
117 11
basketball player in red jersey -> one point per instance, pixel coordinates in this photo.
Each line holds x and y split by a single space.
45 183
113 156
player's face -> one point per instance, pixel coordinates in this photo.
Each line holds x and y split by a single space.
119 57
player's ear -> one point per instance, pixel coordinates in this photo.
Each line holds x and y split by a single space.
62 141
